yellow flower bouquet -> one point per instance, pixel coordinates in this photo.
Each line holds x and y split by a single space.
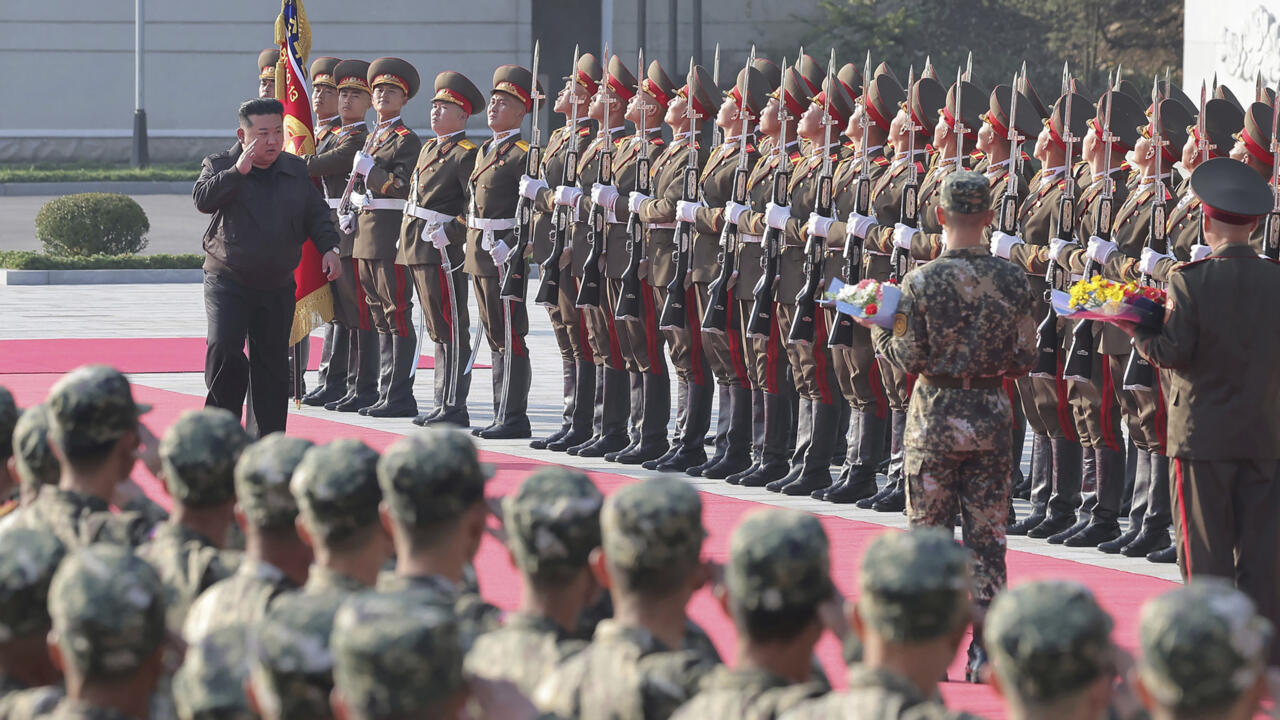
1109 301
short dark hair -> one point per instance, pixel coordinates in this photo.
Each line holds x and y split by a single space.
259 106
773 625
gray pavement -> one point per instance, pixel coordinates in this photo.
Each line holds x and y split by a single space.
176 225
178 311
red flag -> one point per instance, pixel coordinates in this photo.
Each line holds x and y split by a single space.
293 34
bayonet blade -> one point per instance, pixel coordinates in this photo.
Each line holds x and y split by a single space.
715 68
573 94
968 67
1203 139
535 135
958 120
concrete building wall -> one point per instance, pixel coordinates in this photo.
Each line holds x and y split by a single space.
73 60
1234 38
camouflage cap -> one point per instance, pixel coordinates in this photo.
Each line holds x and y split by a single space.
336 487
8 418
553 520
108 608
966 192
915 584
1202 645
394 655
28 559
198 453
37 465
290 662
262 480
1048 639
431 476
92 406
779 560
652 524
210 683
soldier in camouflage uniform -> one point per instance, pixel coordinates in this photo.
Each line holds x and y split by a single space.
552 524
650 559
107 607
290 666
8 476
276 560
95 433
1204 653
210 683
199 454
777 576
34 464
29 683
433 495
912 611
964 323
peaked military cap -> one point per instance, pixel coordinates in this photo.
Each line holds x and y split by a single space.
914 585
1128 88
589 72
1222 92
1231 191
700 90
553 520
336 488
620 80
1222 121
28 559
1203 644
1048 639
1024 84
752 86
431 476
1172 91
454 87
394 71
928 99
210 683
92 405
267 60
884 69
971 110
652 524
841 103
198 453
1026 123
322 71
657 85
1081 110
884 96
851 78
779 561
515 81
1257 133
1127 119
352 74
793 93
1174 121
37 465
929 71
8 419
772 74
262 480
812 73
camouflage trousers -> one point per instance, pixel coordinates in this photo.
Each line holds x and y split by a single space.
976 485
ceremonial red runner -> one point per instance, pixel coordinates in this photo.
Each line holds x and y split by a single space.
1121 593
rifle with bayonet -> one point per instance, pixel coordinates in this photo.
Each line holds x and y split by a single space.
1138 373
515 279
628 307
908 209
1056 277
716 318
842 327
804 327
1271 227
674 315
1007 214
762 295
589 288
549 288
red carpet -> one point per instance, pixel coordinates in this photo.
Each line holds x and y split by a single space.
1121 593
131 355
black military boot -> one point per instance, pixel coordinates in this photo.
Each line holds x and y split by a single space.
816 471
866 446
895 497
616 411
362 373
1041 485
569 381
656 411
724 415
386 368
1167 555
677 435
1140 460
439 381
400 401
635 383
804 438
841 448
896 430
776 434
333 367
689 450
1103 525
757 438
737 455
512 419
596 423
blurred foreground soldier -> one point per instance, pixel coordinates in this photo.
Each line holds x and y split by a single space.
94 434
433 505
8 475
210 684
1224 398
30 684
264 206
964 322
552 524
275 558
650 560
1204 653
199 454
1051 652
777 577
267 60
108 635
290 665
912 612
33 463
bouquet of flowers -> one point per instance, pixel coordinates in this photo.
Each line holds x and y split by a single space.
1107 300
870 299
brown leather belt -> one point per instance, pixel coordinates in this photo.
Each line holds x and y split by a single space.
963 383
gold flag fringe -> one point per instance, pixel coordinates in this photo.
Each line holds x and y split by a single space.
311 312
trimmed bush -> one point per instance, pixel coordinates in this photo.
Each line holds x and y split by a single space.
92 224
28 260
97 172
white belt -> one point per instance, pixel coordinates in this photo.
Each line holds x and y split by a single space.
333 203
364 203
489 226
660 226
873 252
431 216
1076 278
743 237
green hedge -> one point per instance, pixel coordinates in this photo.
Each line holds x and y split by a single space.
14 173
87 224
29 260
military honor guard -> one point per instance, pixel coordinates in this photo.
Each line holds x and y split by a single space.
267 60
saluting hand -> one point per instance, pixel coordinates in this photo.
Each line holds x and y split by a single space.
245 162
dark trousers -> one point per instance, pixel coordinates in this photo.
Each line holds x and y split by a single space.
263 317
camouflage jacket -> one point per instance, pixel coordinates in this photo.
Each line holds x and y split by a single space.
965 315
70 709
751 694
321 579
624 674
21 703
188 564
873 694
79 520
475 616
242 598
524 650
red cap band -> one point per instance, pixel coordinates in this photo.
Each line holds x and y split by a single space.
1255 149
1227 217
520 93
389 79
1097 129
588 82
448 95
873 113
652 88
619 89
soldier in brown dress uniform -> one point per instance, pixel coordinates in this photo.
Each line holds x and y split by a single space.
432 237
490 223
386 165
267 60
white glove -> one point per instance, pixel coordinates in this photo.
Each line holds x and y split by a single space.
499 252
1002 244
858 225
362 163
530 187
1057 246
819 225
1099 249
1150 258
776 216
733 211
1200 252
567 195
902 236
604 195
347 223
687 211
635 200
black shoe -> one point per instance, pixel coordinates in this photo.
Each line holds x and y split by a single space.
572 439
853 490
1052 525
728 465
734 478
1111 547
582 445
542 443
457 417
1061 537
511 430
642 453
793 474
768 472
684 458
1025 525
1094 534
895 501
973 669
867 502
424 418
670 453
406 409
321 396
1146 543
1167 556
350 403
604 446
806 485
366 409
613 455
697 470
